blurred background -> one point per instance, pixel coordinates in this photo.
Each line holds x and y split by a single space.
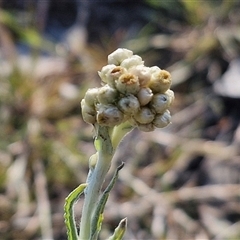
181 182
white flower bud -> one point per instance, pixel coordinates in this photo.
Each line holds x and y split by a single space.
88 112
91 96
146 127
116 73
160 102
160 81
155 70
144 115
107 95
105 72
109 75
144 96
109 115
143 73
128 83
119 55
129 104
162 120
170 94
132 61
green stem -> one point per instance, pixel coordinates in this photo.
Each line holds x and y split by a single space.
105 147
105 154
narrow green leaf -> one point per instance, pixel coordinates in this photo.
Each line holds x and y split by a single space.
69 213
119 230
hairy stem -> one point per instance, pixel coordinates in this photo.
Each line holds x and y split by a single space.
105 154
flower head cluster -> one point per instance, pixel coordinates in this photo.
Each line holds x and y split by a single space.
130 92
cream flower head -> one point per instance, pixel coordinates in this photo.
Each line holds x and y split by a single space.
131 92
